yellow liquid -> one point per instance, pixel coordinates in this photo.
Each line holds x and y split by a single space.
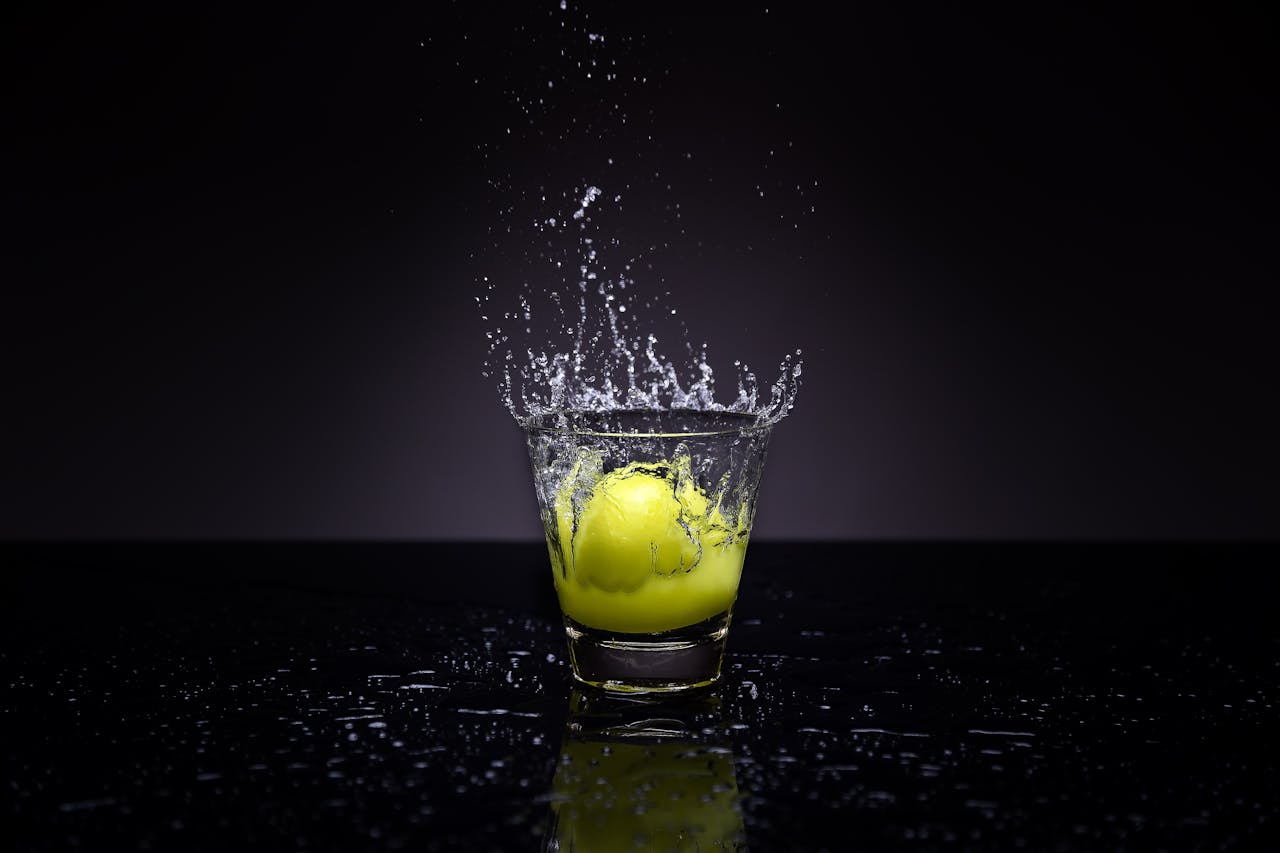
651 552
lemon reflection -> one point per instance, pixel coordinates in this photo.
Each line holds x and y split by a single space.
638 775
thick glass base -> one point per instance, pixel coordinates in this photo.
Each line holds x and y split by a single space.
683 659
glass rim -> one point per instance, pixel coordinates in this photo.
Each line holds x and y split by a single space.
529 424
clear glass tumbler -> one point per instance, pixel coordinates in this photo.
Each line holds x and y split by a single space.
647 516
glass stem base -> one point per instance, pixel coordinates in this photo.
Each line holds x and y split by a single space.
681 659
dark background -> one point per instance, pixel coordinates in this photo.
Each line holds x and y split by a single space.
1034 292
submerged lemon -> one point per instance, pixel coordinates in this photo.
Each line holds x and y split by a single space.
649 552
630 529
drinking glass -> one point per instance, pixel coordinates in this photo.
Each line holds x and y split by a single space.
647 516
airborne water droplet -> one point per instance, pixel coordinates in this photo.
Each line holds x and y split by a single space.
574 345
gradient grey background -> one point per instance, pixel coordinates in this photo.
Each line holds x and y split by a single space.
1035 296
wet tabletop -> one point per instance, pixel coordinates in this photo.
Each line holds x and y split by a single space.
416 696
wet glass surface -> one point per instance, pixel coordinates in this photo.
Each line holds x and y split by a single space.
350 697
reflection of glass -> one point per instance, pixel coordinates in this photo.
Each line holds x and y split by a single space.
647 516
638 776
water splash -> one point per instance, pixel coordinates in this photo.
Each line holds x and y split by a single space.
593 343
572 289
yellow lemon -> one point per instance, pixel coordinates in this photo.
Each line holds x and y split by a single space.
650 552
632 527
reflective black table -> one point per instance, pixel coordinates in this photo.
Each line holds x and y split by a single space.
416 696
